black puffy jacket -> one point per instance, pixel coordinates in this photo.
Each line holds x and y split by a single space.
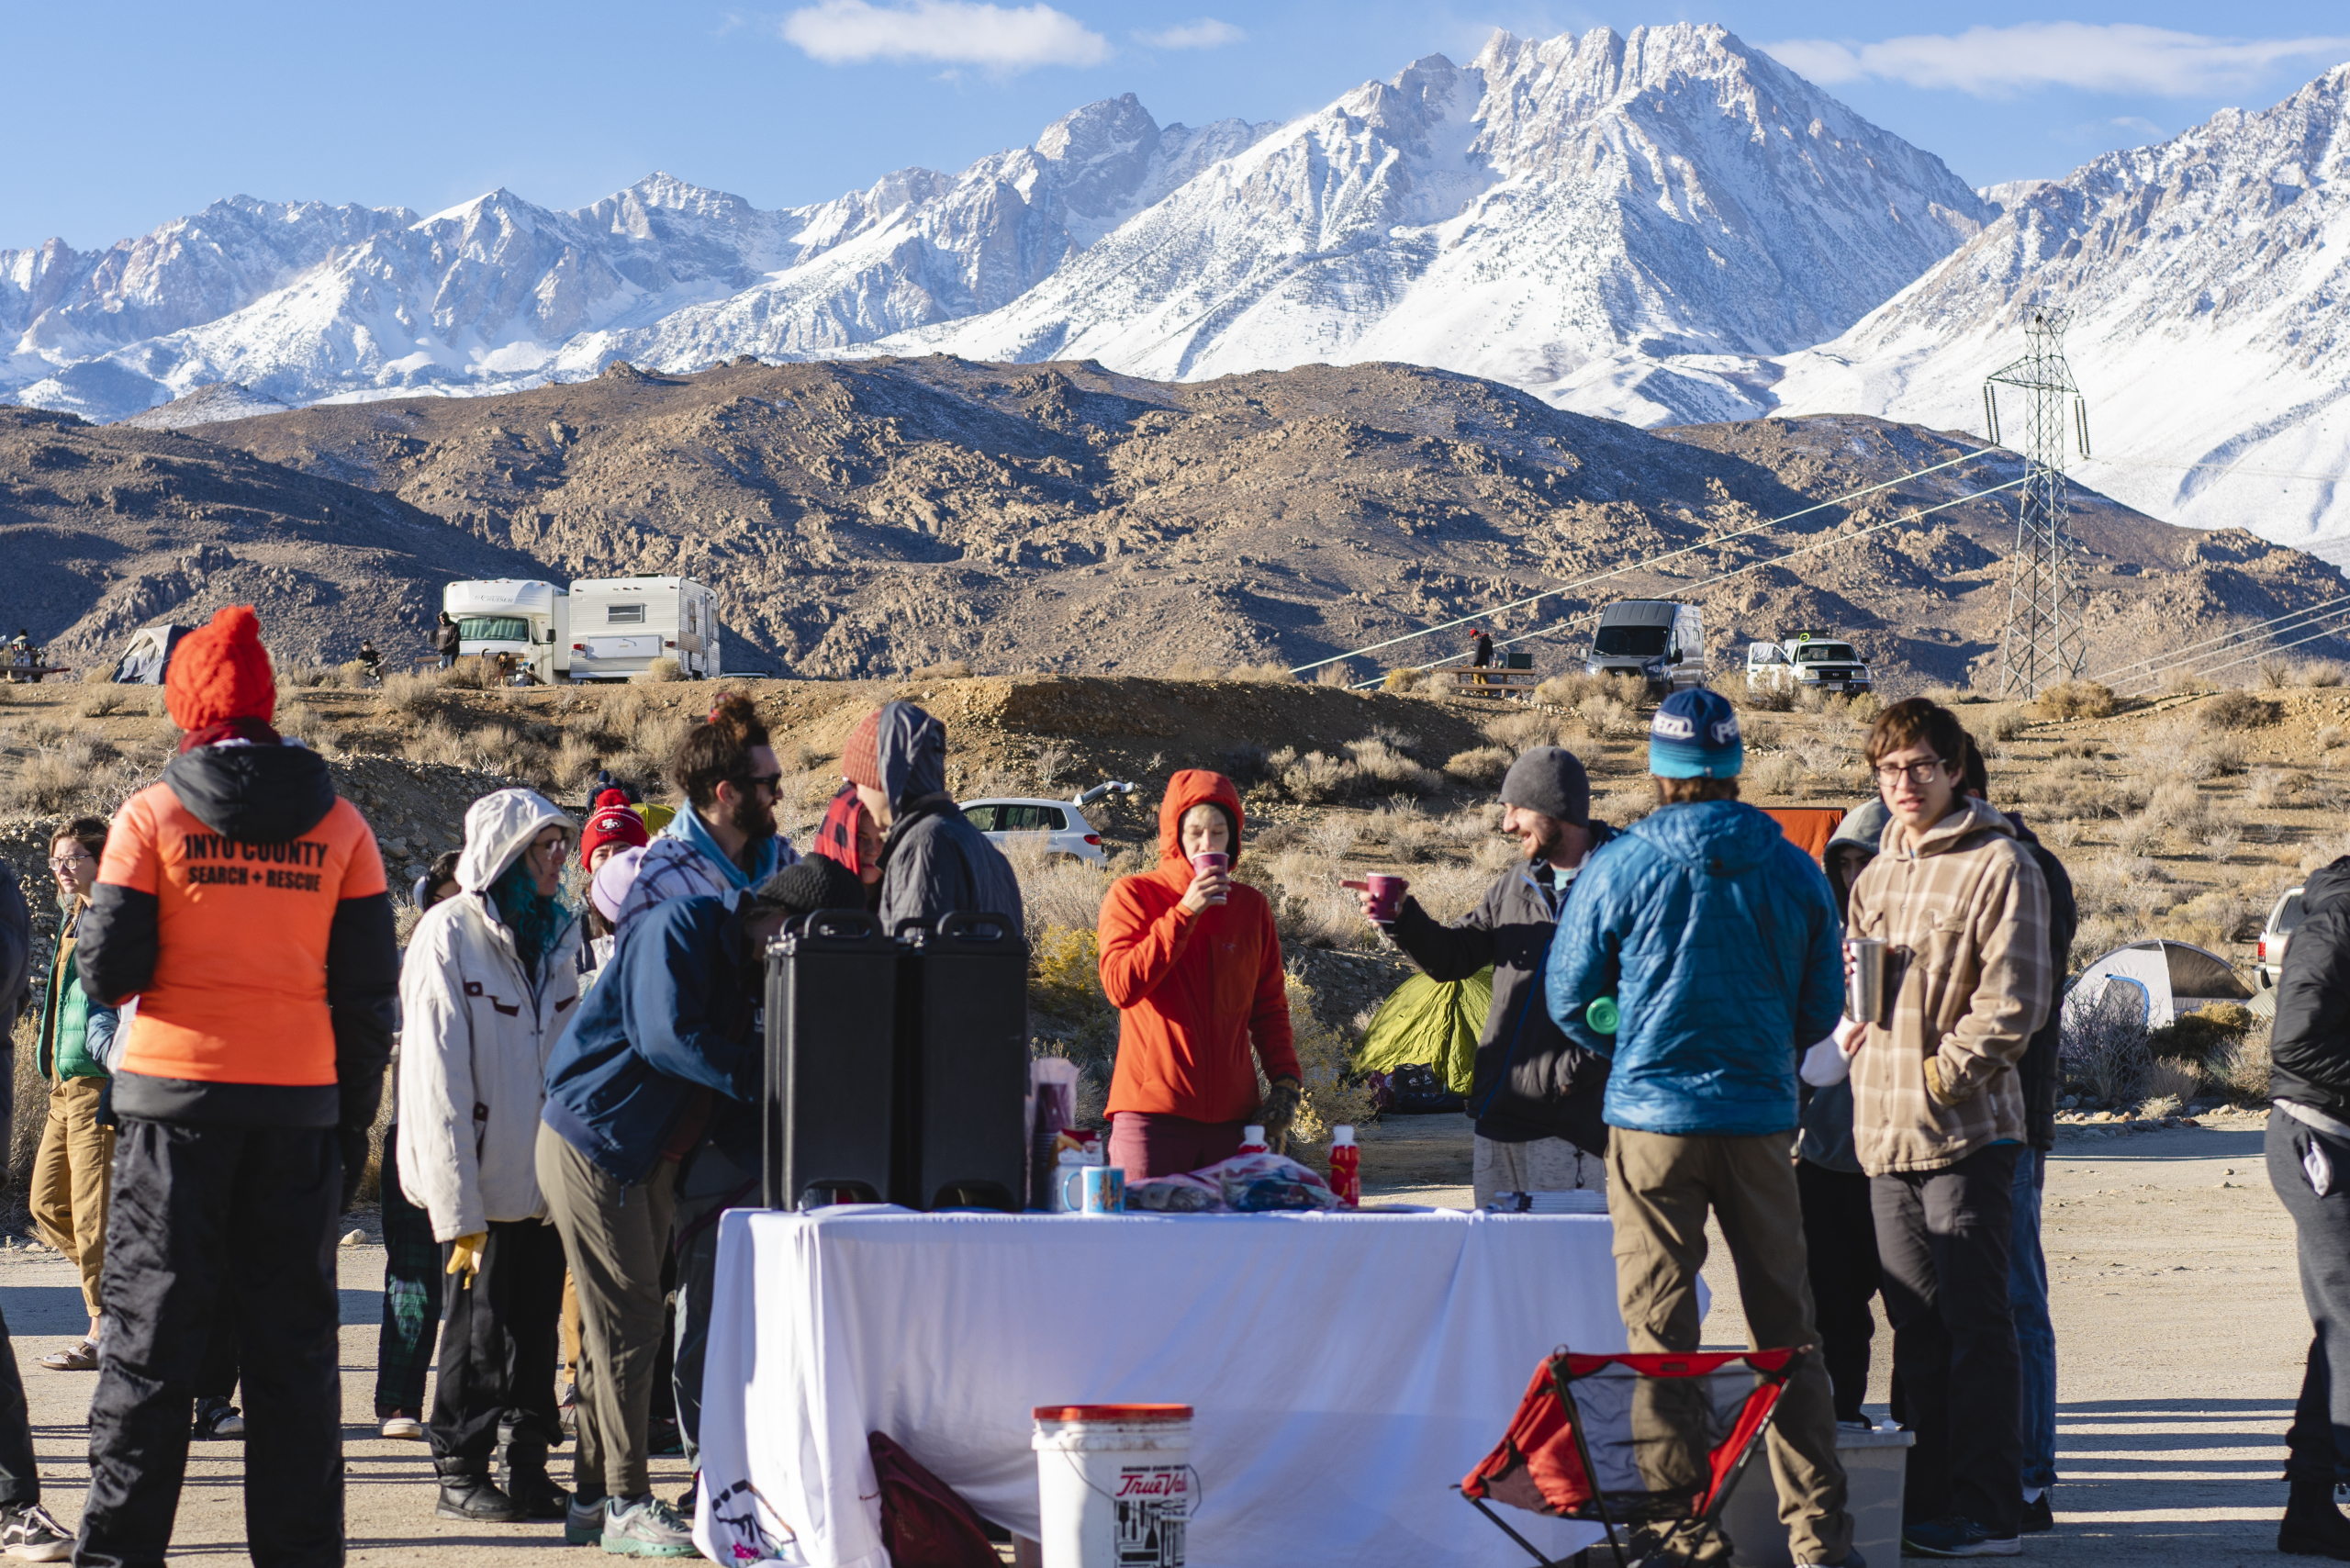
2309 1043
1530 1080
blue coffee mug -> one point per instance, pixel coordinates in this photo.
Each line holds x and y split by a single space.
1105 1189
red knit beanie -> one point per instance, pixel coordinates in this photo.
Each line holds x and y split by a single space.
613 821
860 760
221 672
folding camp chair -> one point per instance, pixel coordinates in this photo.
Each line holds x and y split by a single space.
1652 1442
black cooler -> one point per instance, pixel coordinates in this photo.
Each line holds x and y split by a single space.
962 1065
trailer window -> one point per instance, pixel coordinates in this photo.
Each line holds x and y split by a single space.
493 629
624 614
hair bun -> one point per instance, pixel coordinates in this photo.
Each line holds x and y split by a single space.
735 713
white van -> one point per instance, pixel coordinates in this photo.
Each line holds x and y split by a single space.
1662 641
520 616
619 625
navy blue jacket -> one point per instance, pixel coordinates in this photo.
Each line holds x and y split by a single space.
1719 941
675 1012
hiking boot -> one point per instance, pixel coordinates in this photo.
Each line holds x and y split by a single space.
583 1522
535 1492
2040 1514
475 1499
218 1418
2313 1527
646 1526
1955 1535
27 1531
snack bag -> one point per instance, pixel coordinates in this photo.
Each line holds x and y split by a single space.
1176 1195
1255 1183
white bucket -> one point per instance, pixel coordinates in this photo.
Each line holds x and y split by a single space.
1114 1484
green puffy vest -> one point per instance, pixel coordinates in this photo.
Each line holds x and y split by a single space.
64 1043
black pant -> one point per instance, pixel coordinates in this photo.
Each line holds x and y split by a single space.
1942 1239
1840 1248
206 1221
715 1178
19 1476
498 1351
2318 1444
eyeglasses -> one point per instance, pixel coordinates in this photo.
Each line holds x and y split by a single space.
771 782
67 862
1918 773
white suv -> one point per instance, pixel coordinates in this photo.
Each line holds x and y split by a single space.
2269 958
1066 831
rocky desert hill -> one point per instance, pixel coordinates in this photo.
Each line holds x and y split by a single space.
866 518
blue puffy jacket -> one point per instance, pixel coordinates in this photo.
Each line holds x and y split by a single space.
673 1014
1719 941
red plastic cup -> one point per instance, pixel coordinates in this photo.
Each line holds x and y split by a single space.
1386 894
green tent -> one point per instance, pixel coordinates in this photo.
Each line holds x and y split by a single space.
1436 1022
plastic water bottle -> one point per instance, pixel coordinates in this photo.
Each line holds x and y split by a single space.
1252 1140
1345 1167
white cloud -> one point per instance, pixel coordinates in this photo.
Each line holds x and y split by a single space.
1205 33
1994 63
999 37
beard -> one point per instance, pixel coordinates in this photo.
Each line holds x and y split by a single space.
752 817
1543 841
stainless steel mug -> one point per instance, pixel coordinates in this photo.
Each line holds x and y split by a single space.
1865 997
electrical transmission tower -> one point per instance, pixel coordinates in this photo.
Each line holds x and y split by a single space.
2044 643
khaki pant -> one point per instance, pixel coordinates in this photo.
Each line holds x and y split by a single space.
1659 1190
1538 1165
614 1238
70 1174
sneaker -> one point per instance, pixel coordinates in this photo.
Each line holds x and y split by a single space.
583 1522
662 1437
218 1418
1955 1535
2038 1515
28 1532
646 1526
400 1424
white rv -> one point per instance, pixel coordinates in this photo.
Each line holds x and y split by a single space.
619 625
520 616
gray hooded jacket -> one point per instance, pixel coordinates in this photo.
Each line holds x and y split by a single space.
933 862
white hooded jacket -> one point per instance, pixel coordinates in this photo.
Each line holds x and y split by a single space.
476 1032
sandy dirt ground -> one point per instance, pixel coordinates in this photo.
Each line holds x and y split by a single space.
2178 1316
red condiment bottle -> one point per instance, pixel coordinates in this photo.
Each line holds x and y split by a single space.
1345 1167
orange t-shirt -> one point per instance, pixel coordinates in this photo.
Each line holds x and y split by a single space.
239 991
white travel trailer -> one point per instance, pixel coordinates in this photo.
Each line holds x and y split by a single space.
520 616
619 625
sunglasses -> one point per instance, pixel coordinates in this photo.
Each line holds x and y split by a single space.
771 782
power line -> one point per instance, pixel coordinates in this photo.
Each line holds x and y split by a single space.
1740 571
2263 652
2173 658
1640 566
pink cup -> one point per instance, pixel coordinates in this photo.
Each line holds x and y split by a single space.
1208 860
1386 894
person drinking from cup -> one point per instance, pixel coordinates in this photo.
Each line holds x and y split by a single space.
1939 1119
1534 1094
1192 962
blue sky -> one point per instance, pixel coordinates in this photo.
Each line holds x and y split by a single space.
127 115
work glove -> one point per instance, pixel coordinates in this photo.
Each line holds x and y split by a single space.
465 1256
1937 1085
1279 1111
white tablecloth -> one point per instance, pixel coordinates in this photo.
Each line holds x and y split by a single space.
1347 1370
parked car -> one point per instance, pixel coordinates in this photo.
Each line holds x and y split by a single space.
1006 817
1815 660
2268 959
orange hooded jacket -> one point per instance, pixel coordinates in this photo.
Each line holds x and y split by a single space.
1193 991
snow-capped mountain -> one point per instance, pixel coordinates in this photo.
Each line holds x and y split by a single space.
2209 282
1555 214
499 293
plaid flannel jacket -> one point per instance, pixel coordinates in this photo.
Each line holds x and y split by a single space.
1964 913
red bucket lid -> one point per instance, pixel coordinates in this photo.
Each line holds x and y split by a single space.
1111 1412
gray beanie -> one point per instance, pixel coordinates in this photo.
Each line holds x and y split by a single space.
1550 779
